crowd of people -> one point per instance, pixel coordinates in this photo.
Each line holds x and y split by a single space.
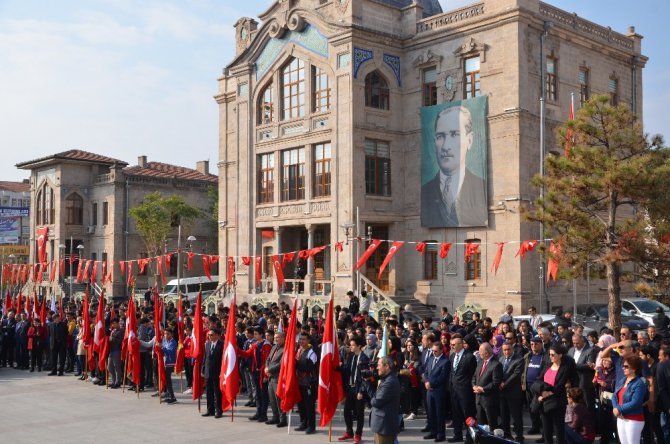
573 387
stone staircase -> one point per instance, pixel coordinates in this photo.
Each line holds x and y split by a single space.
418 307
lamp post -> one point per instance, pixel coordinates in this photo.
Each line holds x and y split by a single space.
80 253
61 256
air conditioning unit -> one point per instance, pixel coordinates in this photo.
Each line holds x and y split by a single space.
90 229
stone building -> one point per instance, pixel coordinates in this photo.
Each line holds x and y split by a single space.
321 136
83 199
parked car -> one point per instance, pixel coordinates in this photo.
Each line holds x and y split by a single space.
191 286
551 318
643 307
596 316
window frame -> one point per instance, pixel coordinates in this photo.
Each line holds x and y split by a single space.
265 179
266 117
473 269
320 91
551 79
289 193
382 99
322 170
428 89
472 86
430 261
74 215
584 89
291 104
94 214
105 213
377 165
613 92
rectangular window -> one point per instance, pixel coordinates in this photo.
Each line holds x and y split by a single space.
613 87
266 106
322 156
430 261
293 174
429 86
583 86
321 88
105 213
473 269
551 79
293 89
377 167
266 174
94 214
472 87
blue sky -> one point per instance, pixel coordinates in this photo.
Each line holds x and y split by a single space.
136 77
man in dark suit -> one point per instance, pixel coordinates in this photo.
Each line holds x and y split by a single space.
436 379
463 366
8 332
211 370
385 403
427 339
272 367
354 387
455 197
486 385
663 392
57 341
585 362
511 395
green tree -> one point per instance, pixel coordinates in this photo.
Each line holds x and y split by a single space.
606 201
157 216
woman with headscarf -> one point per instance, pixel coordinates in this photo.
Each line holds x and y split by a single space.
497 343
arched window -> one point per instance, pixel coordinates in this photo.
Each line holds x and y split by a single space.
293 89
266 105
74 209
39 204
376 91
45 208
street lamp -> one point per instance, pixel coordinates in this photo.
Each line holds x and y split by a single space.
80 253
61 256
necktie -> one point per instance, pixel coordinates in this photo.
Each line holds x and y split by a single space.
483 368
506 365
446 195
434 365
456 361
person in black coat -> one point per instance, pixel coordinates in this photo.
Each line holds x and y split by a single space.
354 303
7 330
211 370
436 380
385 403
463 366
511 395
486 386
57 342
355 387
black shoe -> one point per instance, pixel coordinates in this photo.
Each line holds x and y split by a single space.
310 431
248 404
539 440
519 439
77 374
282 424
171 401
431 436
254 418
60 373
425 429
218 415
455 439
272 422
302 428
52 374
32 370
252 404
442 439
533 431
262 419
207 414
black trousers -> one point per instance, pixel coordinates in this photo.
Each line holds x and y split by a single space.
307 406
554 423
354 409
435 401
535 420
262 396
188 369
213 394
146 372
36 357
511 408
462 407
58 356
7 352
487 413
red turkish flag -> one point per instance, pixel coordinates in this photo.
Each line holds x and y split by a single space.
43 311
421 247
231 271
62 267
198 347
86 321
339 247
287 385
8 302
397 245
330 392
129 280
230 373
470 250
259 271
496 260
87 267
554 259
104 272
526 246
444 249
94 272
279 273
246 260
179 365
303 254
142 263
316 250
367 253
205 266
158 349
287 258
80 271
36 305
100 338
189 261
52 276
133 346
42 238
159 264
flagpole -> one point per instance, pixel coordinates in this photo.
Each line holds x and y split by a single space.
330 431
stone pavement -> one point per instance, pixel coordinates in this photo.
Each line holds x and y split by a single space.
35 407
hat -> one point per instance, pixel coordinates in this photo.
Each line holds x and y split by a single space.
536 339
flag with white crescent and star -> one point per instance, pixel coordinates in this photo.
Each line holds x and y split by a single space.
230 373
397 245
331 390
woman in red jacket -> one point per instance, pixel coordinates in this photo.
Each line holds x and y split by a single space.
37 334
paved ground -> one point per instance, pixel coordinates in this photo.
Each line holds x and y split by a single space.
35 407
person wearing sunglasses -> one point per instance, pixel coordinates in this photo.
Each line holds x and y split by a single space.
622 349
628 400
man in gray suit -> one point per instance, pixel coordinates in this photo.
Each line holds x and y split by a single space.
455 197
585 362
385 403
272 367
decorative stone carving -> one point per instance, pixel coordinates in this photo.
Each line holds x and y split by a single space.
472 47
320 207
361 56
426 58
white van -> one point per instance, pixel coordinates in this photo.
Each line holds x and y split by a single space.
191 286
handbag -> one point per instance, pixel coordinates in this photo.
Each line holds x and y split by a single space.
549 404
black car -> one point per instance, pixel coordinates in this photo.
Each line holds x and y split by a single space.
596 316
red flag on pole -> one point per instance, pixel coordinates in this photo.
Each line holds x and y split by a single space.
198 347
231 271
87 268
526 246
397 245
159 265
189 262
246 260
158 346
569 136
421 247
94 272
100 338
330 391
367 253
496 260
444 249
129 266
338 247
257 266
230 374
104 272
205 265
279 273
62 267
8 302
133 341
42 238
287 385
53 271
36 305
179 365
554 259
287 258
43 311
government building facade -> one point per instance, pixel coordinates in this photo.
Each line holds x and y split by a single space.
335 123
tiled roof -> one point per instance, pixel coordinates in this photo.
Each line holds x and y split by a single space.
80 155
167 171
15 187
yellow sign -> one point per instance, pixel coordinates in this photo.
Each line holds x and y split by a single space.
16 250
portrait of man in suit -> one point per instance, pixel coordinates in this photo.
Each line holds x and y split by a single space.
455 196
